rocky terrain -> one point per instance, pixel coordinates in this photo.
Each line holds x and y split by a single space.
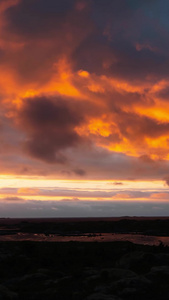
77 271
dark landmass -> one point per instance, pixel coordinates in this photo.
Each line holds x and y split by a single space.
138 225
83 271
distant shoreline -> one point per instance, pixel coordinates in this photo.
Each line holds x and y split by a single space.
78 219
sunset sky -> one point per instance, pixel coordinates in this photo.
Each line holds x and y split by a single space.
84 95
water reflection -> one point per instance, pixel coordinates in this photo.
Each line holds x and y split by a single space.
104 237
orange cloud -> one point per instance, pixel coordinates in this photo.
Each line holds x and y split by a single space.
161 196
72 84
28 191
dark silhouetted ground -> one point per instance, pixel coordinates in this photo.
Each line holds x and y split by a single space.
77 271
84 271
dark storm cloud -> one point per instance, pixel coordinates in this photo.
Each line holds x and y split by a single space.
146 159
129 40
119 58
147 62
44 31
37 18
80 172
50 125
115 38
163 93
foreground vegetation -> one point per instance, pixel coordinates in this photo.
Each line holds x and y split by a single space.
77 271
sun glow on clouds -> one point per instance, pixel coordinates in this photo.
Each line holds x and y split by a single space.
41 189
60 83
83 99
64 82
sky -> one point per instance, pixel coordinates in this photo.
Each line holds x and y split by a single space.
84 118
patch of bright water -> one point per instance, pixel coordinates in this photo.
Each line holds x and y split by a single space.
103 237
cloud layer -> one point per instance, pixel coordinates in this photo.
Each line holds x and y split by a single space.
84 89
